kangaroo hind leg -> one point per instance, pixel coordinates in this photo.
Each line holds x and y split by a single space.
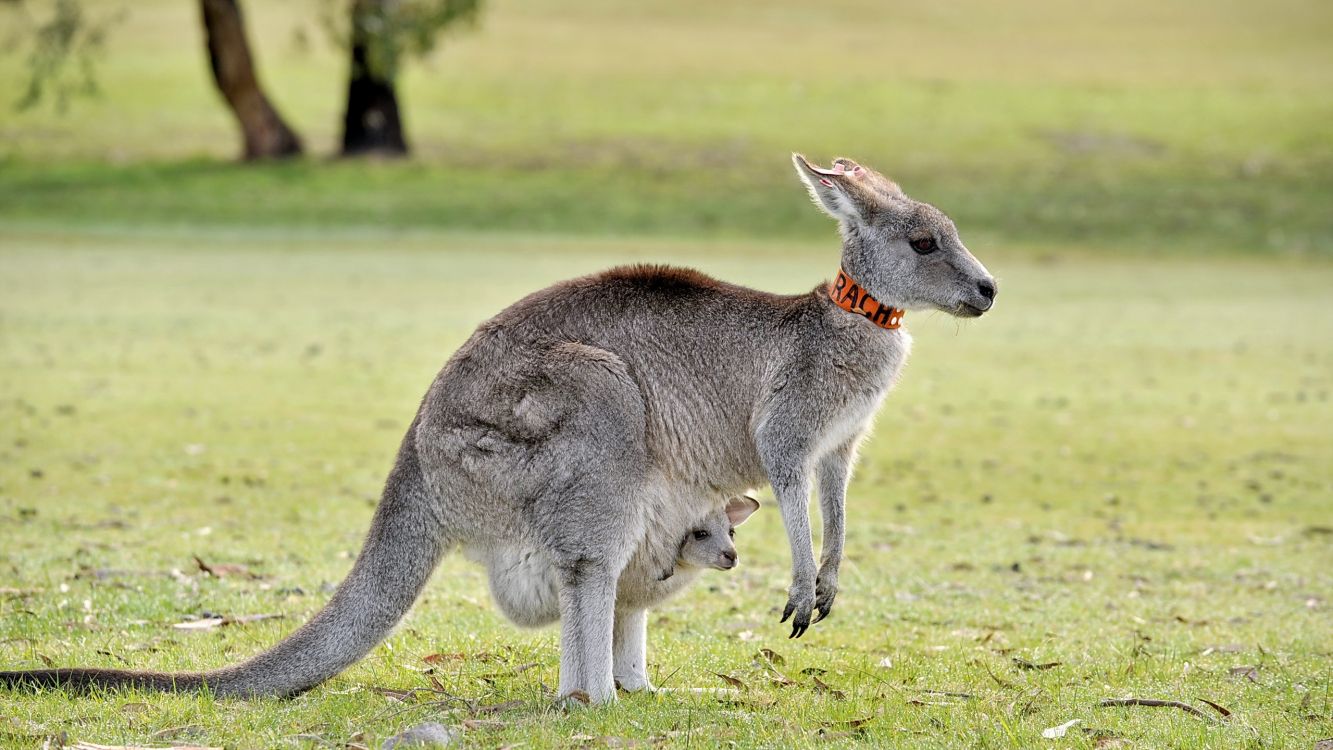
590 516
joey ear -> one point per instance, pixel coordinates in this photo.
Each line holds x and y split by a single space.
740 508
835 190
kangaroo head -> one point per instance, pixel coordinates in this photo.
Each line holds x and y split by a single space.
904 252
708 543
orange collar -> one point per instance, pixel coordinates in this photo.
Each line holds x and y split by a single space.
850 296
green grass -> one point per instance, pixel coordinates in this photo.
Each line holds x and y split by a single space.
1124 469
1191 126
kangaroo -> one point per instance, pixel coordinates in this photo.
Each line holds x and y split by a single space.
590 413
525 585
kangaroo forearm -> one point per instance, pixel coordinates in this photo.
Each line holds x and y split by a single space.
834 471
793 494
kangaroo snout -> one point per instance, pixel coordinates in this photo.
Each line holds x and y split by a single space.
726 560
977 299
987 288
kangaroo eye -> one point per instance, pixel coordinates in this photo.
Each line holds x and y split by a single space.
925 245
701 534
731 533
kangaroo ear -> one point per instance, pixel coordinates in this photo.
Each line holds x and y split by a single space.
838 190
740 508
870 182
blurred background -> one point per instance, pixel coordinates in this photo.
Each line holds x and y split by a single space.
238 239
1161 127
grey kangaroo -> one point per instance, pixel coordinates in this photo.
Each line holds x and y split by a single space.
526 585
595 411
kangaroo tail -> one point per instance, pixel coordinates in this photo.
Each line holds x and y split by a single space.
405 542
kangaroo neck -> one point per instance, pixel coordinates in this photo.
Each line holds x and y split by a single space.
852 297
856 350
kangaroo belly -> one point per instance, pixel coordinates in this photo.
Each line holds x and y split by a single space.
523 584
645 592
526 587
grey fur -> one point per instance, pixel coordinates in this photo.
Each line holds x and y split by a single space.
602 410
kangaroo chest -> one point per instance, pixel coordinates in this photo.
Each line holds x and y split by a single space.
855 380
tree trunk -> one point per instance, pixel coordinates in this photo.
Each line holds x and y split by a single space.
266 135
372 124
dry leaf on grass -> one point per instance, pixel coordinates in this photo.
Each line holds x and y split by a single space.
117 657
580 696
435 684
1250 673
1002 683
823 687
394 694
767 660
208 623
1025 664
1052 733
851 723
732 681
1152 702
829 735
247 619
225 570
948 694
1221 710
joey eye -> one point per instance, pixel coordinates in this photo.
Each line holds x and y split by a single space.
731 533
701 534
925 246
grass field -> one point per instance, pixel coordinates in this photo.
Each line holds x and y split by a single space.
1119 484
1124 471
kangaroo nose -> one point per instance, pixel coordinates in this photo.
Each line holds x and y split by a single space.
987 289
729 556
